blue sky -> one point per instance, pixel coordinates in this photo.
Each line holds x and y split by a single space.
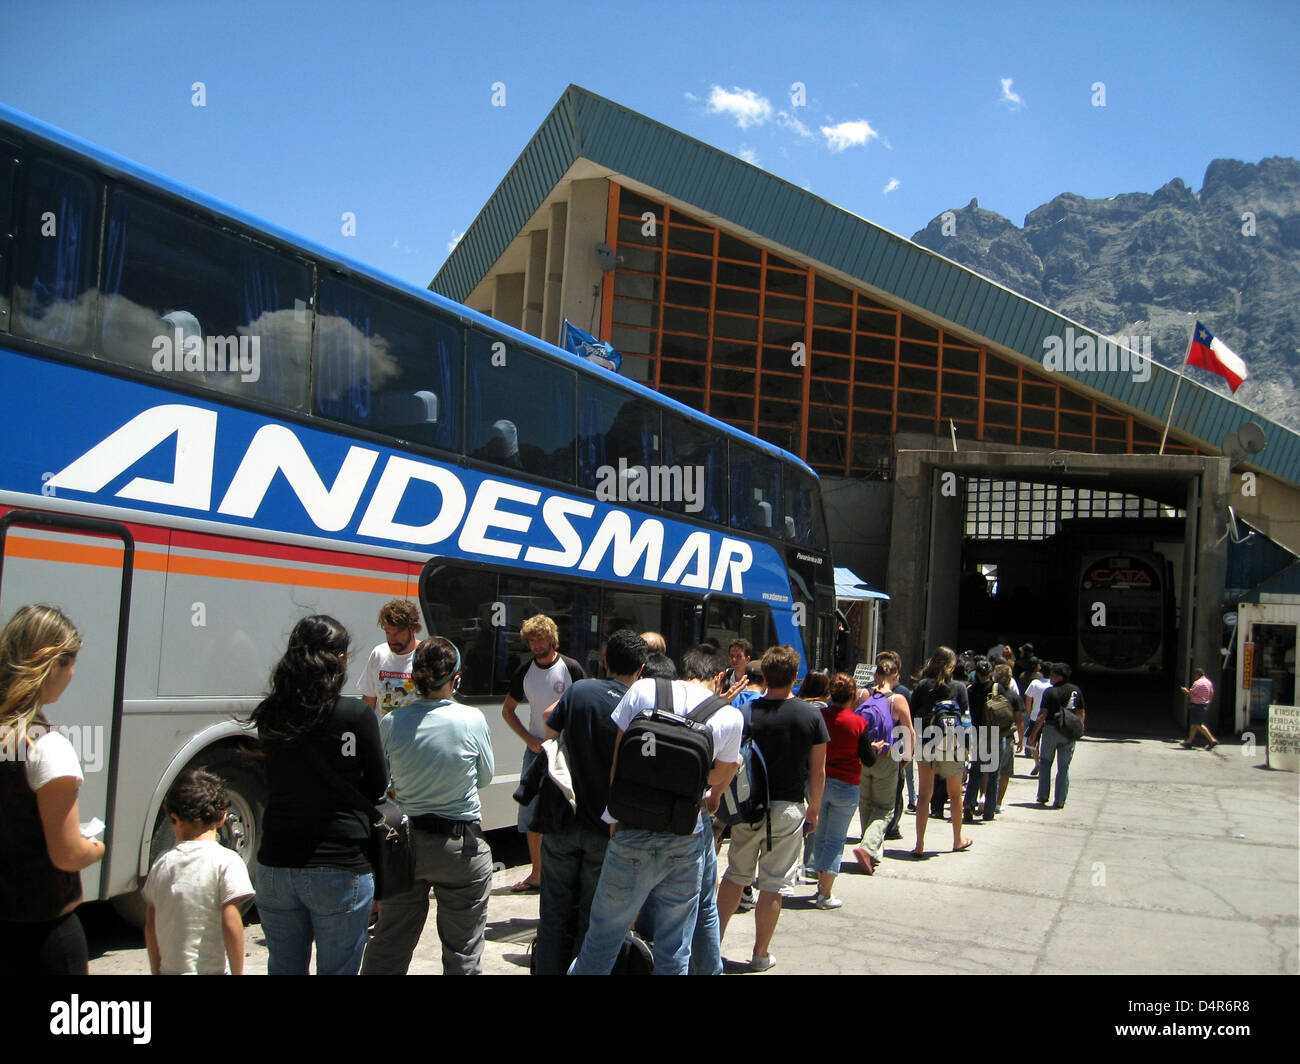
386 109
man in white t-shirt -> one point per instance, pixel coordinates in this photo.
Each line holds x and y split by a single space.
660 866
386 682
539 682
1033 697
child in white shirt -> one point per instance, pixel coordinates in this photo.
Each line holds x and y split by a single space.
195 891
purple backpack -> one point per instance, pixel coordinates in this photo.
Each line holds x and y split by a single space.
880 721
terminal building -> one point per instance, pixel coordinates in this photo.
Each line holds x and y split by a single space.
994 497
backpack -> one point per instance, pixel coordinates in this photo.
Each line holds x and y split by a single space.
880 721
998 711
748 798
952 725
1068 722
664 761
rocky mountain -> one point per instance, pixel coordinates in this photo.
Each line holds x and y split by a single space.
1140 263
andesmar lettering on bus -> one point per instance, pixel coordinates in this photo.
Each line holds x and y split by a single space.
496 507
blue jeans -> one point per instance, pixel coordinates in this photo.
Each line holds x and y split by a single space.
299 905
640 865
571 863
839 803
706 944
1052 745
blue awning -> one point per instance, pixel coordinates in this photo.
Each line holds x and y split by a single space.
848 585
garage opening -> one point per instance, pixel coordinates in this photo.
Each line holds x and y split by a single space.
1092 576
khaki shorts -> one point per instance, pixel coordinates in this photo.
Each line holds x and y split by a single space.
749 859
944 769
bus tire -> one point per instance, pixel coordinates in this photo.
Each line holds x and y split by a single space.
241 832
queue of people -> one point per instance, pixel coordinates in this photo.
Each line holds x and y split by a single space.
657 760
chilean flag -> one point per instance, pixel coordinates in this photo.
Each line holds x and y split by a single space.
1209 352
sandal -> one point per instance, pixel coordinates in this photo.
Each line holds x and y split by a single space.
963 848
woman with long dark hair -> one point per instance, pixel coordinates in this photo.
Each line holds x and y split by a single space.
325 769
42 850
936 685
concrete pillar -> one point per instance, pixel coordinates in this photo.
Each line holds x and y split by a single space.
580 298
554 273
508 300
535 282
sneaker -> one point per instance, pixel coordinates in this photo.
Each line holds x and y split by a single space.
763 963
746 900
1042 801
998 810
826 901
911 807
1058 805
864 860
893 836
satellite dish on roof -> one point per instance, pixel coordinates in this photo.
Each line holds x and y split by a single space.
1247 440
1252 438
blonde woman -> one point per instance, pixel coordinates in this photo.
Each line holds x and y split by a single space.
42 850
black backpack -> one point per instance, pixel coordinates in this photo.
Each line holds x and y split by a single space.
748 798
664 761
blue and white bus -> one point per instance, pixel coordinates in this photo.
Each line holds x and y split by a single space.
209 427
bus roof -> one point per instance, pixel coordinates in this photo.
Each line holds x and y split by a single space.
108 160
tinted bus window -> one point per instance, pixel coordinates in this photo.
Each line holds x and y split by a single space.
688 445
203 306
672 617
56 231
729 619
519 409
387 366
803 512
613 425
459 605
570 606
756 492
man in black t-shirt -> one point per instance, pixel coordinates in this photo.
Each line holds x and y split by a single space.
1054 744
572 858
792 737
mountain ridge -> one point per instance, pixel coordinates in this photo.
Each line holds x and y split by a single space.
1140 263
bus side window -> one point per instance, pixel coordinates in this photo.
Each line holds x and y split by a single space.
203 306
519 409
56 229
384 365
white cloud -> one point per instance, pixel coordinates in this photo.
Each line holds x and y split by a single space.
749 155
692 97
892 184
849 135
455 239
743 105
1010 98
788 121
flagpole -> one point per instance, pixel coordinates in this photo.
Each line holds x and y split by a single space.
1182 372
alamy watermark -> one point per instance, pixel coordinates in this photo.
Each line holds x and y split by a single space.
1107 354
88 742
191 353
656 483
979 745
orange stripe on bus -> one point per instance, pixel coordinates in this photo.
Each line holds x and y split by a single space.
48 550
